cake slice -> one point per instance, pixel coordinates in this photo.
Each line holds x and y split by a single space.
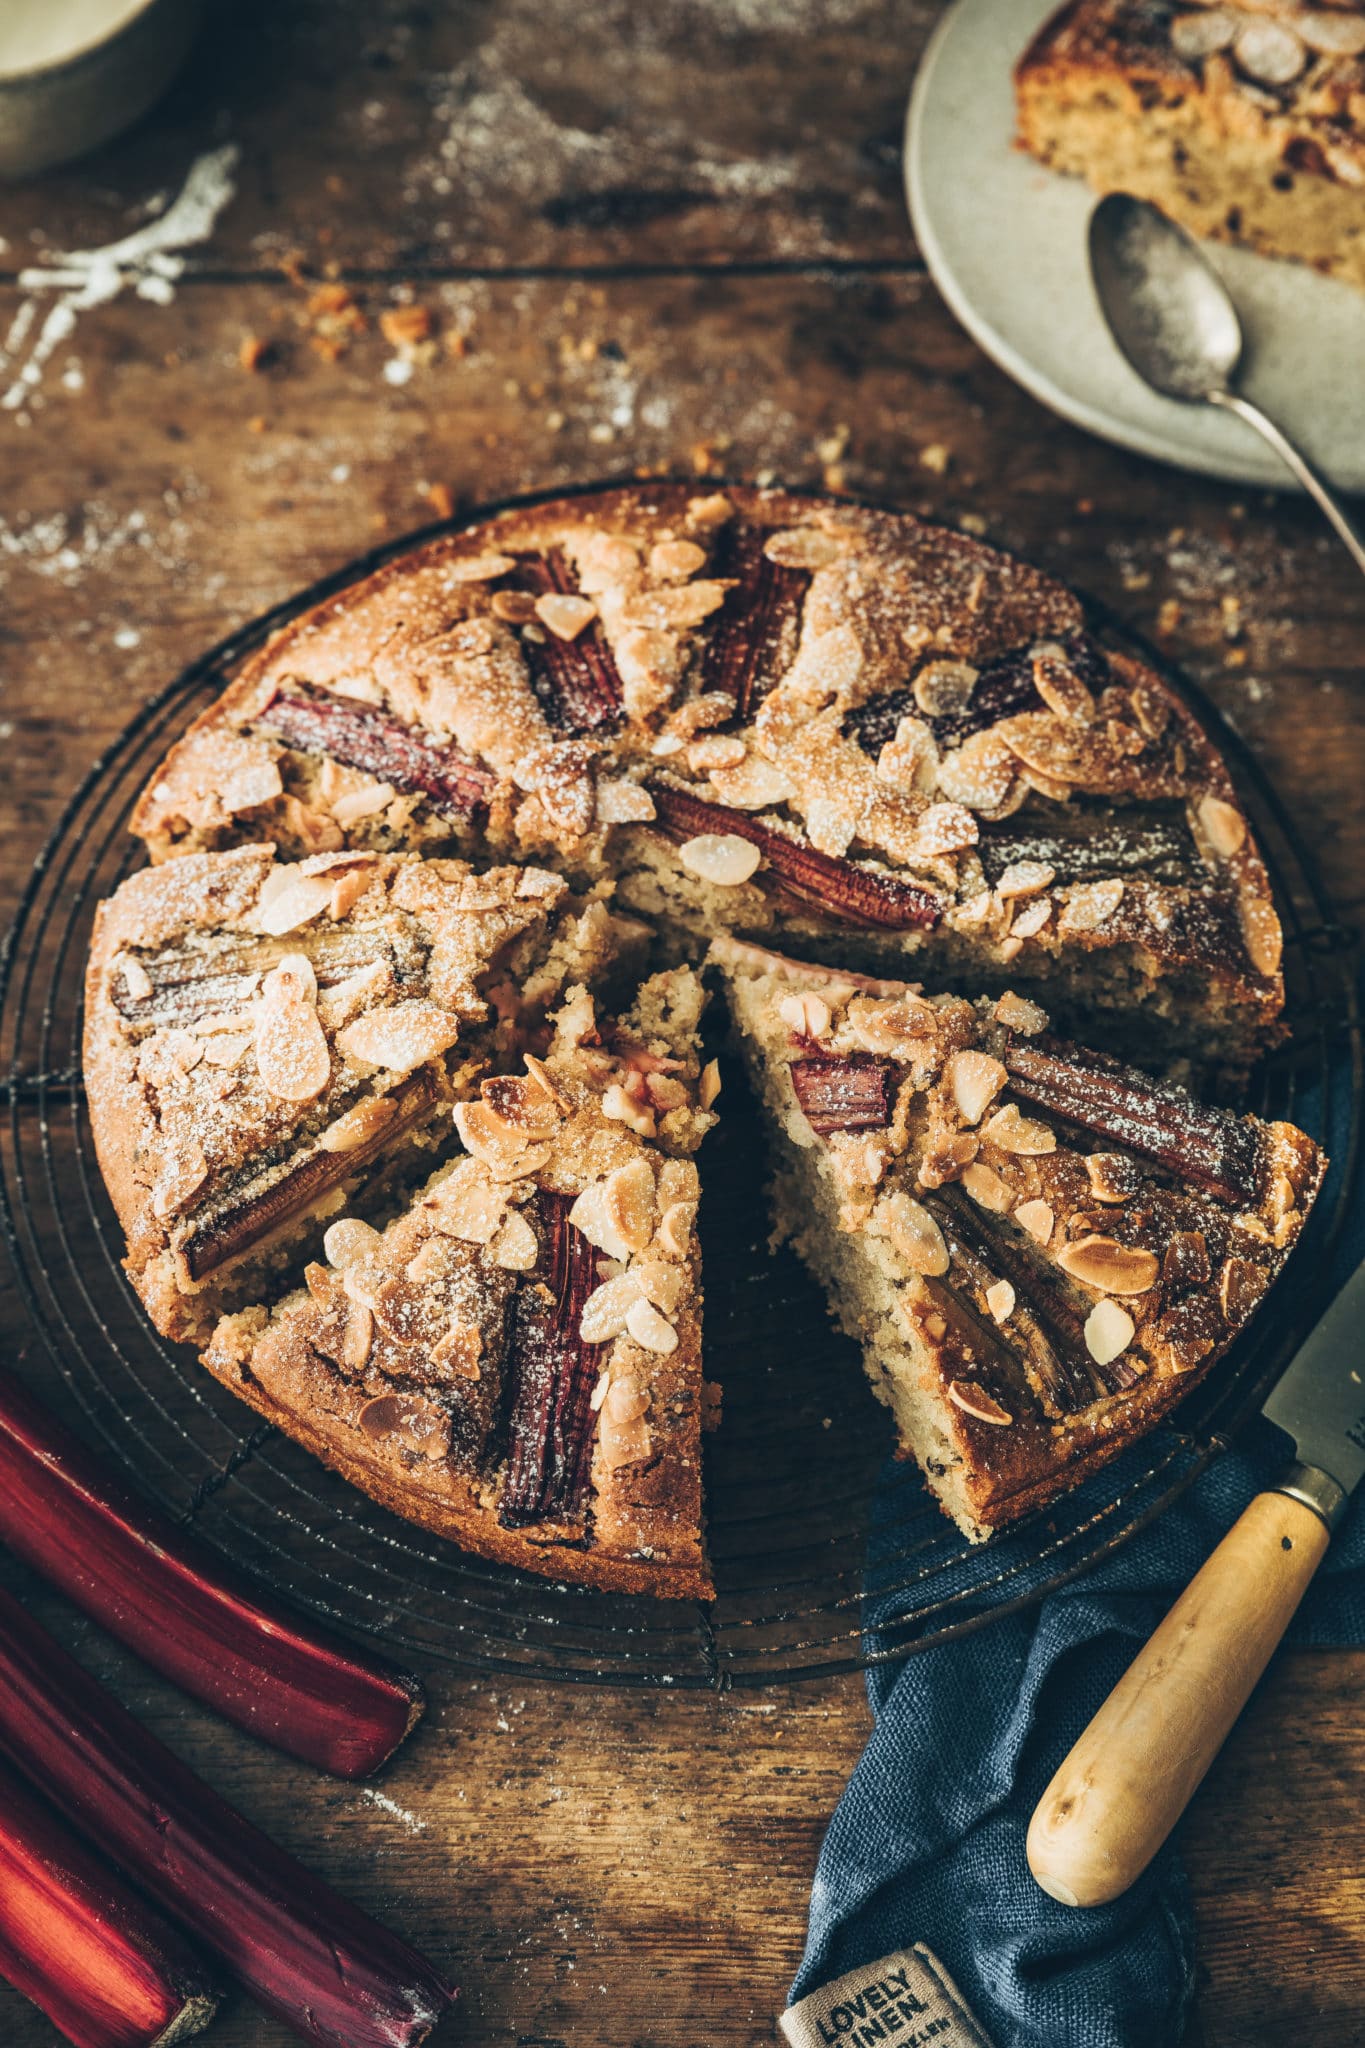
261 1036
1040 1249
1244 122
515 1360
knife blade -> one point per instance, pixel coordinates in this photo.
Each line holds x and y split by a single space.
1319 1402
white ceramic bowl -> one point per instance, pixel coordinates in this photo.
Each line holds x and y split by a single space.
55 110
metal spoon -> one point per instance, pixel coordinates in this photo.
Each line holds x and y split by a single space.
1171 315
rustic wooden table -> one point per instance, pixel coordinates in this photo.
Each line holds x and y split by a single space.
640 238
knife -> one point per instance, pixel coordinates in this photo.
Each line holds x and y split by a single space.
1127 1781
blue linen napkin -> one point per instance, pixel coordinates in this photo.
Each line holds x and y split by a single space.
927 1843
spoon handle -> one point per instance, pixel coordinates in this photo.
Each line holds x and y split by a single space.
1315 485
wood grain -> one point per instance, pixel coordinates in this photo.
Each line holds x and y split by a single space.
672 239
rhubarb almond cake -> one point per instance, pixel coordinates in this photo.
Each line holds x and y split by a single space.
1040 1249
515 1360
261 1035
769 714
1245 121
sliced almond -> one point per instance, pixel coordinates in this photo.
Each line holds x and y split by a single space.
1222 827
289 899
1060 688
1269 52
908 1226
459 1352
1036 1218
1332 35
400 1037
986 1188
649 1329
468 1205
975 1079
359 1125
1031 919
806 1014
1241 1283
182 1173
589 1214
721 858
521 1105
710 1084
675 560
676 1226
136 979
348 1242
358 1337
715 750
605 1310
1114 1177
1262 934
1090 904
1018 1134
1025 878
1017 1013
803 547
1109 1330
624 803
292 1055
974 1400
565 615
515 1248
506 1155
752 785
1000 1300
1195 36
545 1081
943 689
1113 1268
911 759
628 1203
621 1107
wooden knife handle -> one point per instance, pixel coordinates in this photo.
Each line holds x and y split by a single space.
1127 1781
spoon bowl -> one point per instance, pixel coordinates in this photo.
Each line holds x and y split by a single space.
1167 308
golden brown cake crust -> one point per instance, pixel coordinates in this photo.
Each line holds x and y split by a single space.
885 711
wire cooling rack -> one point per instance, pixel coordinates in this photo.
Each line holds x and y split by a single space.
792 1471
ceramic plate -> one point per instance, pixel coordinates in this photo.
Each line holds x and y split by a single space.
1005 242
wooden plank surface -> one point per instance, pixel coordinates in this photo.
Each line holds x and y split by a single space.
649 240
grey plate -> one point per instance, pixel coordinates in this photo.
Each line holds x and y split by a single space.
1005 242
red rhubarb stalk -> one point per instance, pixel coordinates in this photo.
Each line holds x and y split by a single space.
106 1969
844 889
759 615
853 1091
363 736
302 1951
554 1372
174 1601
576 679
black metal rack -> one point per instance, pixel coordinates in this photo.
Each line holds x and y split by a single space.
796 1463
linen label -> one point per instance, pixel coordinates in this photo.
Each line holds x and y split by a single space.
907 1998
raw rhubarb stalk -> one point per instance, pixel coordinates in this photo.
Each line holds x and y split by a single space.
843 889
576 680
361 735
233 1226
303 1952
175 1602
1215 1150
759 616
554 1373
107 1970
853 1091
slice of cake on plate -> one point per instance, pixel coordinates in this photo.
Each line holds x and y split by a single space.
262 1036
1246 122
774 715
1040 1249
515 1360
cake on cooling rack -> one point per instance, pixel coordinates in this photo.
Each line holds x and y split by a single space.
773 715
261 1036
515 1360
1244 121
1040 1248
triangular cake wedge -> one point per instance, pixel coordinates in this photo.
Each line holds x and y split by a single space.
262 1036
767 714
515 1360
1040 1250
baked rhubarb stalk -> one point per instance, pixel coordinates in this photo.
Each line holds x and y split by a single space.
552 1427
759 622
574 677
363 736
303 1952
172 1600
838 888
107 1970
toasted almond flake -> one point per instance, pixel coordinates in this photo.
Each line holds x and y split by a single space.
468 1206
752 786
649 1329
1194 36
506 1154
1060 688
1113 1176
1241 1283
715 750
515 1248
182 1173
808 1015
1222 827
292 1055
521 1106
901 1026
1269 52
1261 932
675 560
943 689
400 1037
1022 1135
628 1204
1111 1267
721 858
354 804
803 547
986 1188
1090 904
566 616
1332 35
458 1352
358 1337
908 1226
623 803
668 743
599 1392
710 1085
348 1242
1017 1013
358 1125
620 1107
974 1400
136 979
945 828
676 1226
1109 1330
1037 1219
227 1048
980 774
605 1310
911 759
1000 1300
347 891
1032 919
290 980
975 1079
1025 878
478 568
290 898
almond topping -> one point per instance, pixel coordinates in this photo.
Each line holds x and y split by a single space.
975 1080
289 899
649 1329
676 1226
348 1242
1113 1268
136 979
506 1154
1270 53
620 1107
1114 1177
1223 827
1017 1013
292 1055
1241 1284
1036 1218
675 560
180 1178
589 1214
802 547
716 750
544 1080
347 891
404 1036
943 689
1109 1330
974 1400
358 1125
628 1201
520 1105
808 1015
986 1188
907 1225
515 1248
710 1085
605 1310
1000 1300
1025 878
1031 919
1198 35
1089 904
720 857
566 616
359 1336
1332 35
1060 688
1019 1134
1261 932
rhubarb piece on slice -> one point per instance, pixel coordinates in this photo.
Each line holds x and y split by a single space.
103 1965
1041 1250
262 1036
514 1360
